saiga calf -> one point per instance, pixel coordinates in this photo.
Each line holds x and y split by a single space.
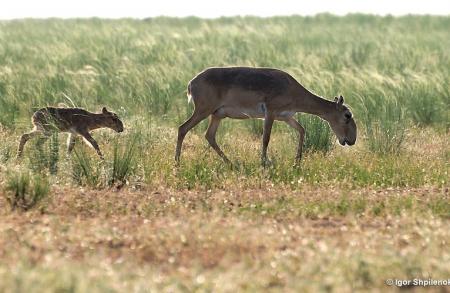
75 121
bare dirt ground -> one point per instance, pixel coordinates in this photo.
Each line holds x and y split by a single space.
282 240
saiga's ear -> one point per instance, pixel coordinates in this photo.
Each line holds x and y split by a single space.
340 100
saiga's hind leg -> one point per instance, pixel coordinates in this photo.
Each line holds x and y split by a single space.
196 117
211 136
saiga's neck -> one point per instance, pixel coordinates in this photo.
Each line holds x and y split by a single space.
307 102
99 121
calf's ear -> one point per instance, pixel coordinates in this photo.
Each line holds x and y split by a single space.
104 111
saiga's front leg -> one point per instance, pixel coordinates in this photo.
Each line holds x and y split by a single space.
88 138
301 137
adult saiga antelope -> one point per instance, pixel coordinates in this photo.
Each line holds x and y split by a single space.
270 94
76 121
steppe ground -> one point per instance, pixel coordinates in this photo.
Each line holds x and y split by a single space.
345 220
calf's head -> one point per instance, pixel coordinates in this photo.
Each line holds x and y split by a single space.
111 120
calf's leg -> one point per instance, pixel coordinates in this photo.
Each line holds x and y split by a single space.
24 138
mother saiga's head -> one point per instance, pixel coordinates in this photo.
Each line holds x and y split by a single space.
342 123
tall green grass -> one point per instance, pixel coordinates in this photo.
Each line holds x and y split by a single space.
147 68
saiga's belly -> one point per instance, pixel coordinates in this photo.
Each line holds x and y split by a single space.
257 112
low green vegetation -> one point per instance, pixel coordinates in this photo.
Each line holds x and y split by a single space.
23 191
137 159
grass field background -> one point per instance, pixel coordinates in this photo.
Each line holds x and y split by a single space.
346 219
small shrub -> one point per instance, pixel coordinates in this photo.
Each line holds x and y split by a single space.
384 123
25 192
123 161
84 170
318 136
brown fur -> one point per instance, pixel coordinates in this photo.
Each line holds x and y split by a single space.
265 93
76 121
